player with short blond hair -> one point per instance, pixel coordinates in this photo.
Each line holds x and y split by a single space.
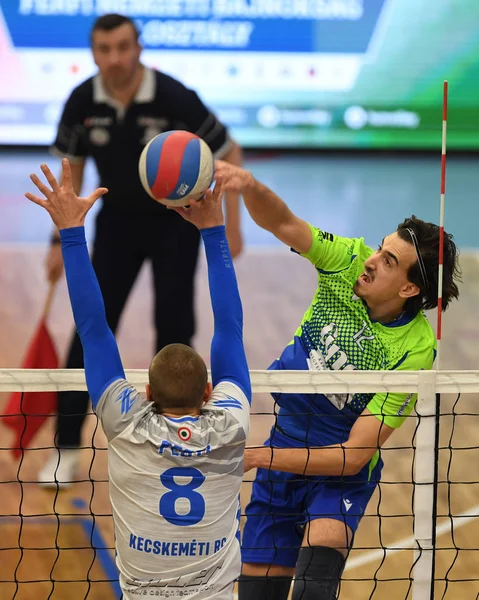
175 458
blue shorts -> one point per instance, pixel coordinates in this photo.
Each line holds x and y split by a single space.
282 502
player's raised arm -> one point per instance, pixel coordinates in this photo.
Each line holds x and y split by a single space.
228 359
68 211
265 207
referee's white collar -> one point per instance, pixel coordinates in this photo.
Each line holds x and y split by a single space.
145 93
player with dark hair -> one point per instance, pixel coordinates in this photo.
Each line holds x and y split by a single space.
321 463
111 117
175 459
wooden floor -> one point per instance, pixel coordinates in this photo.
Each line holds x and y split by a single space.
48 550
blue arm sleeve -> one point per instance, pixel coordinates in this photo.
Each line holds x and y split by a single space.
100 351
228 359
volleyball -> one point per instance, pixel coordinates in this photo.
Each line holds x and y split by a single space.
176 167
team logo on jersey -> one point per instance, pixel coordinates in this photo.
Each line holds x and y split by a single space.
98 121
99 136
126 401
228 402
360 336
405 404
184 433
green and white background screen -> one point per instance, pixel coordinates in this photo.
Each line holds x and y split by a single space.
280 73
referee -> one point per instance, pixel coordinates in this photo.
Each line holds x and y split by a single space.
111 117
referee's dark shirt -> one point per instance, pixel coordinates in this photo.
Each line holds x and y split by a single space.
94 124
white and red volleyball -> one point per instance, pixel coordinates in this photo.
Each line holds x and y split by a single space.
175 167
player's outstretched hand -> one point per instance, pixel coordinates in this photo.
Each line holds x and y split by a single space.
232 178
204 213
64 207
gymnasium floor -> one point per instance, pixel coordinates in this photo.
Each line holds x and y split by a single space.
365 195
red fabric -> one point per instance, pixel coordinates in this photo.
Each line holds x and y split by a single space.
25 412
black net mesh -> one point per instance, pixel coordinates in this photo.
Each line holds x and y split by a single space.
59 543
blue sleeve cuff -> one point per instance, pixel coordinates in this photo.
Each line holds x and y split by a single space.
212 231
73 234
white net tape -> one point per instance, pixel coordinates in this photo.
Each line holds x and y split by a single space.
311 382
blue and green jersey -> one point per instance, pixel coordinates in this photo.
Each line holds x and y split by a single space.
337 333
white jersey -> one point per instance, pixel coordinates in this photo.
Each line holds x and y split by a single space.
174 491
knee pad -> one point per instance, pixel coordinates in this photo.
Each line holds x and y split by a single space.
318 572
263 588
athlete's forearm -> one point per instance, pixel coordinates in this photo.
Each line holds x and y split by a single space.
271 213
228 359
101 356
265 207
333 460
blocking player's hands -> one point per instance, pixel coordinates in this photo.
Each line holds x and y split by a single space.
232 178
64 207
204 213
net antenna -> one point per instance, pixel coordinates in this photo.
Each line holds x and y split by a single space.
428 409
441 226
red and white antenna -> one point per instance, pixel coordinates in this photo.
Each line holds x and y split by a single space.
441 226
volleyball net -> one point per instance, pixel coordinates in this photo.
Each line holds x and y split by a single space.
419 537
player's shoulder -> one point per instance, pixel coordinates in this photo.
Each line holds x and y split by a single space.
80 101
229 403
121 392
357 248
415 341
338 251
421 333
364 251
227 394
